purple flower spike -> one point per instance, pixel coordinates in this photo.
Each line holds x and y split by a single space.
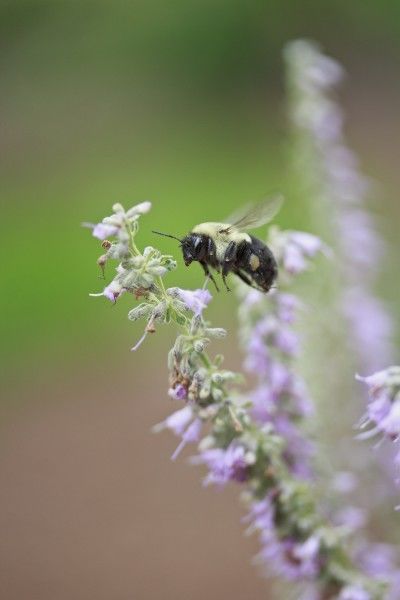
196 301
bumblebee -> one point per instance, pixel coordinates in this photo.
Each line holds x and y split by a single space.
228 248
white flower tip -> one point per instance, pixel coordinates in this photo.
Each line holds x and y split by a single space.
139 209
158 427
144 207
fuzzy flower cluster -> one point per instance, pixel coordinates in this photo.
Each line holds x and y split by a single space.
335 178
235 442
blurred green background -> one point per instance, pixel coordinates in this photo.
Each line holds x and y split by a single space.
181 103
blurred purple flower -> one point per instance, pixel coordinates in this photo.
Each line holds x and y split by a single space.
293 260
190 436
112 291
103 231
354 592
179 392
177 421
291 559
351 517
296 248
286 341
308 243
224 465
196 300
383 410
287 305
180 423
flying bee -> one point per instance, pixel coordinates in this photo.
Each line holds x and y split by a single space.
228 248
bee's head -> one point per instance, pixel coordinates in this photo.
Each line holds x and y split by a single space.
191 245
188 249
191 248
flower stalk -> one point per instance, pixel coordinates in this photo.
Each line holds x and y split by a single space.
297 543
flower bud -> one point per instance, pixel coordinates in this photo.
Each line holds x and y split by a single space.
139 209
143 310
101 261
198 346
216 332
118 208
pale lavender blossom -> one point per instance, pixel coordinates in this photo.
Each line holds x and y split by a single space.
379 561
196 300
190 436
290 559
354 592
344 482
177 421
351 517
230 464
383 410
102 231
179 392
294 249
112 291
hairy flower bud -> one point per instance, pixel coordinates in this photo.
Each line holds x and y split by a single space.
141 311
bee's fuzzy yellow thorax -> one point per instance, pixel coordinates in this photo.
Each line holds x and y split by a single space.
216 231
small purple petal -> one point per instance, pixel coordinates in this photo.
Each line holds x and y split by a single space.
178 420
191 435
293 260
103 231
309 244
354 592
287 341
113 291
179 392
196 300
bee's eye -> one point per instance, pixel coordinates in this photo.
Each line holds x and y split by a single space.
197 242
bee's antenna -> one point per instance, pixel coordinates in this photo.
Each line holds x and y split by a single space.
167 235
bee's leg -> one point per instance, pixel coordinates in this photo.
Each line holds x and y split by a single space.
209 274
243 277
229 260
228 289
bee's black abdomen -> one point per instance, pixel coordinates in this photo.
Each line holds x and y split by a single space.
258 262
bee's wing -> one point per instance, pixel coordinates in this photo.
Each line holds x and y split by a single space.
257 215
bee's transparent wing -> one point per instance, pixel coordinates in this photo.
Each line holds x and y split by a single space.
256 215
